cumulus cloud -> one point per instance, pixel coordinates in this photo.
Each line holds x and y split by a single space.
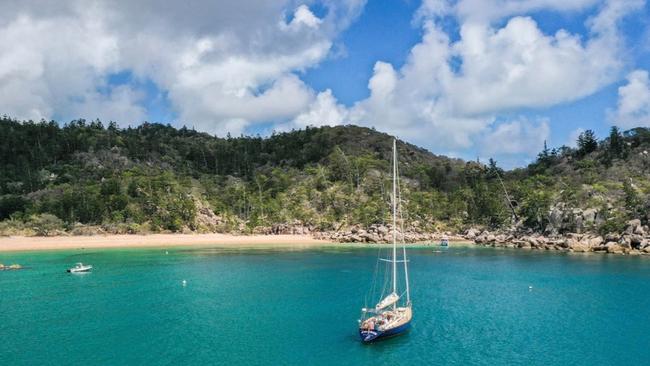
520 136
491 10
40 75
633 107
120 104
223 65
486 11
324 110
430 9
518 66
302 17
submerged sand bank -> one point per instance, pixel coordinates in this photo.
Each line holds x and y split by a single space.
21 243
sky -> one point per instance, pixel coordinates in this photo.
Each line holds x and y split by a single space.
472 79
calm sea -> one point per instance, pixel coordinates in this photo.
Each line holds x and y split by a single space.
472 306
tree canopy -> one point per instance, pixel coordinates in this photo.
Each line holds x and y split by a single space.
156 177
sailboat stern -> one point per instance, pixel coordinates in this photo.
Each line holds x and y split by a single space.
368 336
386 324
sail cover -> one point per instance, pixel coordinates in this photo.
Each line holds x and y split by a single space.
387 301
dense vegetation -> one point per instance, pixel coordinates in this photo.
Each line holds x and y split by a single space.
87 177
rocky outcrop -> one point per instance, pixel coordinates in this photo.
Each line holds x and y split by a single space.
471 234
206 219
562 219
293 228
635 240
379 233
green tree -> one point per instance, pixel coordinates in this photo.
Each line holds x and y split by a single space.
11 204
633 203
493 170
616 143
340 167
587 143
545 157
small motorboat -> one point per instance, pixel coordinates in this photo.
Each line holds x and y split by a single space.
80 267
444 242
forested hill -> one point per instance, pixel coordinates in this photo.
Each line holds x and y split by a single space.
85 177
32 147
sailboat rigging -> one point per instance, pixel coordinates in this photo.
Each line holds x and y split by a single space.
392 314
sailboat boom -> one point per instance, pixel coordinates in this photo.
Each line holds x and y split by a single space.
391 261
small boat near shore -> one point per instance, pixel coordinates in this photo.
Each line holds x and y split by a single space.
80 268
444 241
11 267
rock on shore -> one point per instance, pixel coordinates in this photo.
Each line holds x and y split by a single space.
378 233
635 240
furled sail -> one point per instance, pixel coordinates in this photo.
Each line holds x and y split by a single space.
387 301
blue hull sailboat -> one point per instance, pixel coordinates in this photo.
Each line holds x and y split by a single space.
370 335
392 314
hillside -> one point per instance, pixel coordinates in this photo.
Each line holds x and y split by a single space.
597 187
85 178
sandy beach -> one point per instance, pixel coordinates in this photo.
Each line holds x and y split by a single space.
21 243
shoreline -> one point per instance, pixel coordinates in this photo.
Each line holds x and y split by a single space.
134 241
125 241
259 241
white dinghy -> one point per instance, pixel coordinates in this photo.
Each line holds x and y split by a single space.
80 267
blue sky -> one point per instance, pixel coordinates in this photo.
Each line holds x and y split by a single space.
467 78
383 32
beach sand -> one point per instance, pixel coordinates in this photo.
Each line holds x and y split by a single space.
21 243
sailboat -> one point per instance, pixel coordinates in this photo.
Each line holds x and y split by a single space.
392 314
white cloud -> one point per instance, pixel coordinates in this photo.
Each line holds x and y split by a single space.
41 76
324 110
430 9
223 65
520 136
225 82
121 104
633 108
518 66
490 10
487 11
302 17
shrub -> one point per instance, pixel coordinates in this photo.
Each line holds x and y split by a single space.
13 228
45 224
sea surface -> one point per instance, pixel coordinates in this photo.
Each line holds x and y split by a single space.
472 306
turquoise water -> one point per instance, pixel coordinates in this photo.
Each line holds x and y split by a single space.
472 306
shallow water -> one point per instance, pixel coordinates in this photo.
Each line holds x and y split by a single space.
472 306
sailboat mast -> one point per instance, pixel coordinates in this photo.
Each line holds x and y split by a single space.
406 276
406 268
394 216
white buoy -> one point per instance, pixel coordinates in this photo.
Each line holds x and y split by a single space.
184 283
530 288
166 252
